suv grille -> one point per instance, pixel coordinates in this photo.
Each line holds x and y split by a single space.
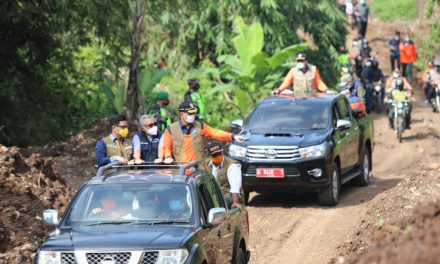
68 258
272 152
150 257
289 171
119 258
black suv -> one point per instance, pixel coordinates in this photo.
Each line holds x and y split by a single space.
298 145
147 214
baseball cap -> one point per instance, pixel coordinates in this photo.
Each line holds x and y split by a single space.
214 148
187 107
161 96
301 57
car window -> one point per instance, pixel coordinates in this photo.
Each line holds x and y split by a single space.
207 203
131 202
218 193
290 115
343 109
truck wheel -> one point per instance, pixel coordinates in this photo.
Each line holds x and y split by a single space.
329 196
239 257
364 178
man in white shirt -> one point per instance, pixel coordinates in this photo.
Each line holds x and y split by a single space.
227 173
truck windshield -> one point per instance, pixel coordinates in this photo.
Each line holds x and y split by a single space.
131 203
290 115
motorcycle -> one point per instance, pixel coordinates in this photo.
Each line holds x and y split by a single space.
436 103
400 113
378 95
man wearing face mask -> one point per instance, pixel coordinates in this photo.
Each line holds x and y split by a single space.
193 95
184 139
227 172
116 146
146 142
408 55
160 110
304 77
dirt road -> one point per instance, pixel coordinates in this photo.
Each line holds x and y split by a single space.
294 229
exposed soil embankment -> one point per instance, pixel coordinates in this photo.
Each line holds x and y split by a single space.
27 187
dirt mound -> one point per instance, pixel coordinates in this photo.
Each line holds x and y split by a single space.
28 186
398 227
76 152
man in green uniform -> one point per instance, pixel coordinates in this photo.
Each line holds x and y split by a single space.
160 111
193 95
227 173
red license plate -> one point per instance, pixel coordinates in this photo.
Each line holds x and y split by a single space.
270 173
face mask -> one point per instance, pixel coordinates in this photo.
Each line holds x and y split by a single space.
407 39
395 74
190 119
301 65
123 132
108 205
175 204
152 131
217 160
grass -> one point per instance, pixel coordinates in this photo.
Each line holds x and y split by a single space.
394 9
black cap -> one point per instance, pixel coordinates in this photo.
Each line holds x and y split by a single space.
214 148
187 107
301 57
193 80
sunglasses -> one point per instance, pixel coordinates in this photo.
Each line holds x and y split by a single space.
150 125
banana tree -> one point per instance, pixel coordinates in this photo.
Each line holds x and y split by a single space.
252 72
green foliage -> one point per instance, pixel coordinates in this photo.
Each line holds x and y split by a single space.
429 48
395 9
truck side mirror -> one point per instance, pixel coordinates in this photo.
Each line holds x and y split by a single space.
237 124
50 217
343 124
216 216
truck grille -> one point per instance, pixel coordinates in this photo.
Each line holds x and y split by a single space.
119 258
68 258
150 257
272 152
289 171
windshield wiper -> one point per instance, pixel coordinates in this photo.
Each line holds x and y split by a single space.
111 223
169 221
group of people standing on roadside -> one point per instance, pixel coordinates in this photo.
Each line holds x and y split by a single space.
160 140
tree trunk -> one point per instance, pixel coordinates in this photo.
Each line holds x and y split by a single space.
137 46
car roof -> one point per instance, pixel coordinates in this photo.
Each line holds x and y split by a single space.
151 173
327 98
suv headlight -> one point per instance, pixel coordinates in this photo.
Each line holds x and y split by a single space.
49 257
237 151
172 256
316 151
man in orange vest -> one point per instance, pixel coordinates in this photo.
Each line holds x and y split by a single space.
408 55
184 139
304 78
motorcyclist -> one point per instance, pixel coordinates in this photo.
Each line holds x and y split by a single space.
430 77
399 94
391 82
371 74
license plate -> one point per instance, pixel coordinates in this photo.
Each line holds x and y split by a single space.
270 173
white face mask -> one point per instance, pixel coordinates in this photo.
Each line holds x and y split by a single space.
190 119
152 131
300 65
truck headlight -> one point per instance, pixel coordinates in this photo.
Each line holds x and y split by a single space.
316 151
173 256
49 257
237 151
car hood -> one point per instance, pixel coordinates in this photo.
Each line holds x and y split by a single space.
134 237
300 138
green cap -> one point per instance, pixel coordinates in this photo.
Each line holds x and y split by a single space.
161 96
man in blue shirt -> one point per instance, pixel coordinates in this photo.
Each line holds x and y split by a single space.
115 147
393 45
146 143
